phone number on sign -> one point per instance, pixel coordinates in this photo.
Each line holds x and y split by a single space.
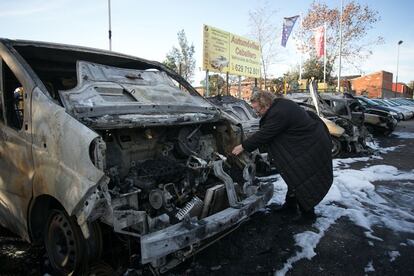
245 69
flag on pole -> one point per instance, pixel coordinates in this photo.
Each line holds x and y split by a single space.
320 41
287 28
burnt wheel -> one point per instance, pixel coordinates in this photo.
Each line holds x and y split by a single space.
387 132
336 147
68 251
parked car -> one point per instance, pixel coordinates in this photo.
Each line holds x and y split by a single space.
378 120
100 149
396 102
370 104
404 114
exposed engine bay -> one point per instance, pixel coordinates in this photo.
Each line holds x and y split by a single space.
169 178
161 176
169 170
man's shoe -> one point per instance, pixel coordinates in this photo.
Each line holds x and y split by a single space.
310 214
289 207
305 217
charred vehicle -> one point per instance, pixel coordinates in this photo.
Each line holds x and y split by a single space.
347 129
245 115
353 122
96 145
347 136
240 110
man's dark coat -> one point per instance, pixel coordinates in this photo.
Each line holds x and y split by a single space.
299 146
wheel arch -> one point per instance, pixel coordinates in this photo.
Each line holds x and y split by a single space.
38 215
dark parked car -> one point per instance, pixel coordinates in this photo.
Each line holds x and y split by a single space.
100 150
368 103
378 119
403 113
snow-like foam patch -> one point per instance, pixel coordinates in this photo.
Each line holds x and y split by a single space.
404 135
389 149
344 162
308 240
352 195
373 143
369 267
393 255
279 190
375 146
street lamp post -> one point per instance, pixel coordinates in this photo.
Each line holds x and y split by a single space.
340 47
109 23
398 59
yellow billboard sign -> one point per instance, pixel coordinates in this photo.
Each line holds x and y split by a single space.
225 52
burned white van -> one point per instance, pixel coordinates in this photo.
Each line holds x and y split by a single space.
93 140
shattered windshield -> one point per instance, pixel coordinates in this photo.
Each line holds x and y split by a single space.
102 85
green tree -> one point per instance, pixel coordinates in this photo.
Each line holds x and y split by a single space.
216 84
184 56
313 67
292 79
357 20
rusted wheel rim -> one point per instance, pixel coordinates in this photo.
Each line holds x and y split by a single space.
61 244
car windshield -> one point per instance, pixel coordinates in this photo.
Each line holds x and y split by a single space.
102 85
371 102
392 103
380 102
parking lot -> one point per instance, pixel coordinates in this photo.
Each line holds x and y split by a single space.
365 225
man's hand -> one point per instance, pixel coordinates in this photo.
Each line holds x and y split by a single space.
237 150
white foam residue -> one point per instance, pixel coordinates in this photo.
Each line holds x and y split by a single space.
352 195
369 267
375 146
344 162
385 150
404 135
279 190
308 240
371 236
410 242
393 255
354 189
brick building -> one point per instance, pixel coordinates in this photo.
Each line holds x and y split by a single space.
380 85
403 89
374 85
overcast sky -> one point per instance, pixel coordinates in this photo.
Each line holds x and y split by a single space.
148 29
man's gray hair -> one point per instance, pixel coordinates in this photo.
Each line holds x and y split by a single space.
263 98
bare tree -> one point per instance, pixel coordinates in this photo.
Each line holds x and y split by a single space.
264 31
357 20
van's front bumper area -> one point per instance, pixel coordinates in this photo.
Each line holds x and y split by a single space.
181 235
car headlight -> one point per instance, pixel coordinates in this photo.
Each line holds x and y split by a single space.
393 113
